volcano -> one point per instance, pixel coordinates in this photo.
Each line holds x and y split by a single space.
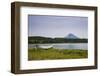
71 36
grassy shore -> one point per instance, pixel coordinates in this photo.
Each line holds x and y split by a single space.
50 54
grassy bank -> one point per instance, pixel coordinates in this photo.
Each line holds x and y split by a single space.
50 54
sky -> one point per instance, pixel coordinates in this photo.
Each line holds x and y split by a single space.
57 26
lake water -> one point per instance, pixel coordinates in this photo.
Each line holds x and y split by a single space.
83 46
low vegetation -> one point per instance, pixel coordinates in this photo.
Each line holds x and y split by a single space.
51 53
42 40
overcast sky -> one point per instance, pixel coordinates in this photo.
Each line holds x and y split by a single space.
57 26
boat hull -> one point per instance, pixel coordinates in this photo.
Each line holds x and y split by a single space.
45 47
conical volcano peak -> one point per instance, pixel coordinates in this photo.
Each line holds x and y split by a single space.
71 36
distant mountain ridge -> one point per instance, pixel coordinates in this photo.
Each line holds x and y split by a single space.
70 39
71 36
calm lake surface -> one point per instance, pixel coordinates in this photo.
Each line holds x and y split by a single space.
83 46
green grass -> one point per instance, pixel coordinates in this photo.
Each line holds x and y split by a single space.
50 54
